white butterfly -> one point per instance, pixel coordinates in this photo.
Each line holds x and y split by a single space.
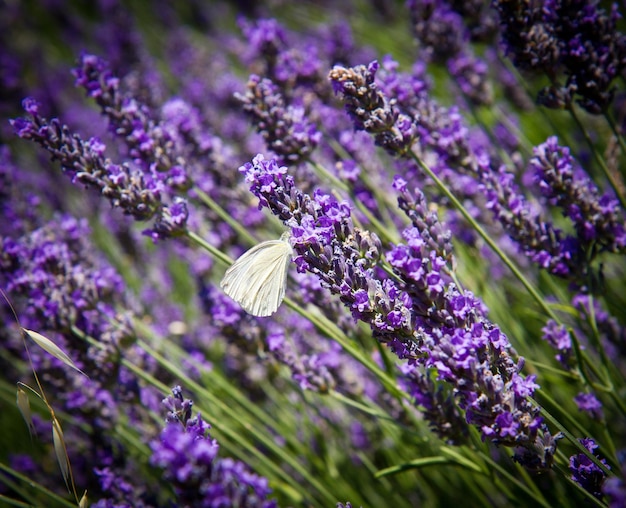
257 280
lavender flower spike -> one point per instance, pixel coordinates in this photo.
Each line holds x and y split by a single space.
597 219
137 193
575 36
420 314
370 110
285 129
584 472
189 458
328 245
150 145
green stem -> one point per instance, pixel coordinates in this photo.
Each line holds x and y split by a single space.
27 480
607 173
216 253
373 411
531 490
225 216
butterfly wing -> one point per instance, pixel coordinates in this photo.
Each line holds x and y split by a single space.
257 279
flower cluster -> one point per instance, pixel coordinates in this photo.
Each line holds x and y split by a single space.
65 290
589 403
328 245
585 472
370 110
413 122
558 337
426 223
189 459
136 192
577 37
285 129
63 285
422 316
597 220
539 239
440 230
149 145
441 30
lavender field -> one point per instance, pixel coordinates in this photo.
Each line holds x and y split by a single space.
432 313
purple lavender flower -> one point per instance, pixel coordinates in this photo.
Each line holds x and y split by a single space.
287 61
575 36
18 203
441 32
443 27
52 270
310 371
538 239
285 129
266 37
558 337
584 472
480 21
592 51
150 146
436 402
541 455
590 404
370 110
189 458
466 349
597 219
614 488
598 222
437 27
338 44
179 408
443 131
456 154
118 492
426 222
138 193
62 288
421 316
320 226
528 41
470 74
